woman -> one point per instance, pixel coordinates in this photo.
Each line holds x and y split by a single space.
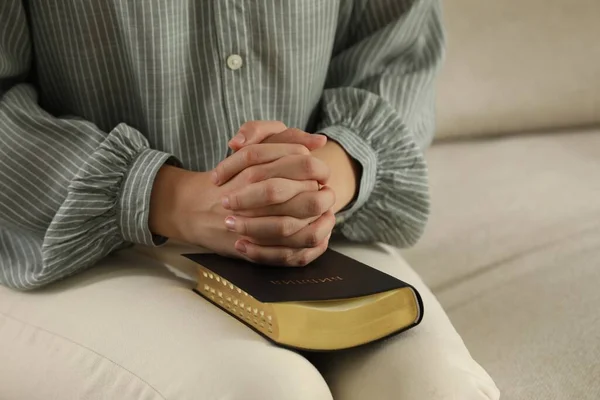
140 121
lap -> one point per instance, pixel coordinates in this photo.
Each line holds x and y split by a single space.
429 361
129 328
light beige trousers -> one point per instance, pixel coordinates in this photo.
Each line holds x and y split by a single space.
129 328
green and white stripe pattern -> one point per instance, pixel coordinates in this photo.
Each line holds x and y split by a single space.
96 95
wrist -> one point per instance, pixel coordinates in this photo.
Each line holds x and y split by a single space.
173 191
345 173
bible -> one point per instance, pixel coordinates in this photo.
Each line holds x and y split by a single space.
333 303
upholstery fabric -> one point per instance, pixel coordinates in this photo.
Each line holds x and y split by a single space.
519 65
512 252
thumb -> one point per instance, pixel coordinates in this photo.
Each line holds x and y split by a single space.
254 132
296 136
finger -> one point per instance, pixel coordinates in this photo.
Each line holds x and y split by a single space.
299 168
267 227
253 132
304 205
267 193
253 155
292 135
310 236
280 256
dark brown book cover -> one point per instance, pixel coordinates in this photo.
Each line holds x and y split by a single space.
332 276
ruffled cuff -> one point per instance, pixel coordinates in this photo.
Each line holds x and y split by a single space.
108 201
392 205
134 201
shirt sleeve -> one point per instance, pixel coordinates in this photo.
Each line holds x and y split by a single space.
378 104
69 193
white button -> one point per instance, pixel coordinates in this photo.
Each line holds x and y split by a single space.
234 62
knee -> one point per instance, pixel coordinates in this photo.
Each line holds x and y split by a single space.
395 371
267 374
414 385
458 384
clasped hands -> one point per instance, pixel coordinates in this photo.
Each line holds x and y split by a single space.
275 195
268 202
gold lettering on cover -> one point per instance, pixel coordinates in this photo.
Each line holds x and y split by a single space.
306 281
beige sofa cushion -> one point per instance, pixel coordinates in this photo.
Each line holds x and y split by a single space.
513 253
517 65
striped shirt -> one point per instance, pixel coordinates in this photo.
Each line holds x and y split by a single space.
96 95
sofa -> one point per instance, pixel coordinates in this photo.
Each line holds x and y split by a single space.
512 249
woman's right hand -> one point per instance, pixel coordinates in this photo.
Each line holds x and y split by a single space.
183 207
187 206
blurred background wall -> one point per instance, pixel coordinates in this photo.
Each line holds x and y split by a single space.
519 65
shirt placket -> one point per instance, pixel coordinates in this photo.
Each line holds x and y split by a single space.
231 33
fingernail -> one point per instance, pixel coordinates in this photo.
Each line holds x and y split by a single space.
240 246
239 138
225 202
318 136
230 223
214 177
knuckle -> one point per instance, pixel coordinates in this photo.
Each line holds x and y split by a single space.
309 165
234 201
250 128
287 227
271 192
316 205
253 174
312 206
312 239
243 227
302 260
251 155
247 175
287 257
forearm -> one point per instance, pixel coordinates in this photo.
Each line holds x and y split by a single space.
71 193
345 173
